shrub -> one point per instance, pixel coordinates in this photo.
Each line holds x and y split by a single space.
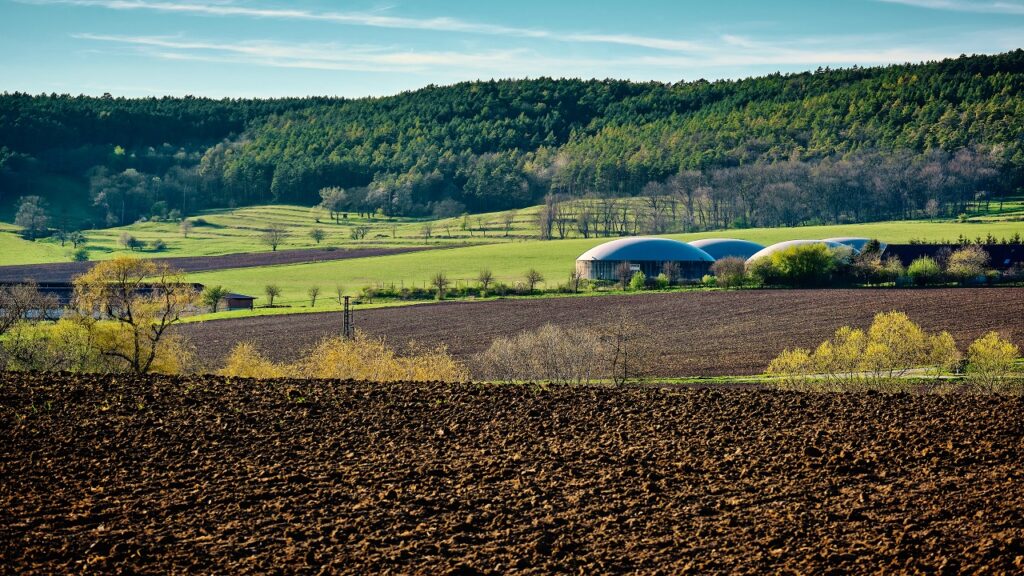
709 280
245 361
638 281
801 265
990 360
74 345
661 282
924 271
80 255
158 245
551 353
359 358
212 295
729 272
877 359
967 263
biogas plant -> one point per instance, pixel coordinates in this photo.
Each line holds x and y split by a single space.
692 260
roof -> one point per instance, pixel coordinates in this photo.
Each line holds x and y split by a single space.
644 248
719 248
780 246
235 296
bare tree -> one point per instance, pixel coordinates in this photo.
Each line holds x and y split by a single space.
624 272
24 302
186 227
272 291
574 280
533 277
507 220
546 216
313 292
485 278
629 346
440 282
426 230
274 236
142 299
671 271
585 221
317 234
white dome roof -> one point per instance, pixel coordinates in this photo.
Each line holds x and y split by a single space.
720 248
780 246
643 248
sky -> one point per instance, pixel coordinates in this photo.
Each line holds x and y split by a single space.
353 48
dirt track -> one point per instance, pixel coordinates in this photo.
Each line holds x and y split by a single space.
163 475
698 333
65 271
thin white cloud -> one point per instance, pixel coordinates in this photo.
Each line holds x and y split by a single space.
319 56
437 24
733 53
982 7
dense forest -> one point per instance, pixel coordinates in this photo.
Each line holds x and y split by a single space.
826 146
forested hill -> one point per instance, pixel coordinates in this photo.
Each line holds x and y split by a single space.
833 145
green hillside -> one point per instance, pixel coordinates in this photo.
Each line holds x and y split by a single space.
832 146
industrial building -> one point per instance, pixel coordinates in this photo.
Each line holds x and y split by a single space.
643 254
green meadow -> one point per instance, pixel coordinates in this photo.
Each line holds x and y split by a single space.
554 259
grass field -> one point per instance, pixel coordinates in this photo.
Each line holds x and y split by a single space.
510 261
239 230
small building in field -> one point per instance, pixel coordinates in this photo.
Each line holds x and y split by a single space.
780 246
719 248
643 254
232 301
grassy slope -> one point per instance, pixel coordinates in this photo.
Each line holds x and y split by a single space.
234 231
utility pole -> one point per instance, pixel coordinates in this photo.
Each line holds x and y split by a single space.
346 331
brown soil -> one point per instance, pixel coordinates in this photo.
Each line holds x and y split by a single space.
65 271
698 333
171 475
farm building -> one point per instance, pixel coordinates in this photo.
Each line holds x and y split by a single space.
780 246
232 301
643 254
719 248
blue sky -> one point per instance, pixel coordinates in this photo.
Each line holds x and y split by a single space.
262 48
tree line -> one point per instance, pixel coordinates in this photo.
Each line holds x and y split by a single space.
826 146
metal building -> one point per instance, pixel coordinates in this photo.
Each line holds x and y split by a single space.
644 254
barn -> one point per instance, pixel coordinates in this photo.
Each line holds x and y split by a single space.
644 254
719 248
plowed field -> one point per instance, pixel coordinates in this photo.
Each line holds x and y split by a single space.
697 333
170 475
66 271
